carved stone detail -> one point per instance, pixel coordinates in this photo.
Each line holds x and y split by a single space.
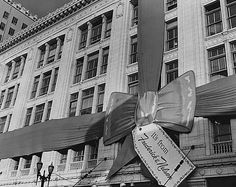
119 10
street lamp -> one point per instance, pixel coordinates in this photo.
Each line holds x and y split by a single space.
44 178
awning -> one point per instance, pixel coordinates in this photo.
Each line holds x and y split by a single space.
51 135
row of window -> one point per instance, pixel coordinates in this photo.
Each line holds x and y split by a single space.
14 19
92 32
44 83
86 101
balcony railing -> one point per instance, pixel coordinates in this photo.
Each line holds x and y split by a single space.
222 147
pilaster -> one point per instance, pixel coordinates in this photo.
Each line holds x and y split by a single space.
104 22
14 95
89 34
12 69
22 63
95 99
39 85
46 54
5 98
85 63
100 59
58 48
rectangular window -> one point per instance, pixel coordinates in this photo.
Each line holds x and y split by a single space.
135 13
2 97
35 87
105 54
133 83
16 163
78 70
2 123
93 154
45 83
28 116
96 32
92 66
73 104
49 107
5 14
233 52
11 31
38 113
63 157
42 51
101 91
52 51
231 8
87 101
217 60
172 34
14 20
27 162
2 26
83 38
54 80
78 153
9 67
108 28
171 71
134 49
17 68
9 97
171 4
222 135
24 26
213 18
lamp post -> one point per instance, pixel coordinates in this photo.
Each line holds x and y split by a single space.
44 178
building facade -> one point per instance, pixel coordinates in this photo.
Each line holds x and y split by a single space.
68 63
13 18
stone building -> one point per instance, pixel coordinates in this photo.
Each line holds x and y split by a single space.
14 18
69 62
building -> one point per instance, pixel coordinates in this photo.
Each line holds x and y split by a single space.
68 63
14 18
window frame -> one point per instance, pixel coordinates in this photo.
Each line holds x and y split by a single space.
87 96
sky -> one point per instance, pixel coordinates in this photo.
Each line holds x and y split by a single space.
41 7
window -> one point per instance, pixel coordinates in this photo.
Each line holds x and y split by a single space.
135 12
14 20
78 70
14 99
42 51
92 66
63 157
83 38
16 69
231 8
27 162
45 83
54 80
108 28
222 136
93 154
2 26
233 51
49 107
2 123
28 116
11 31
73 104
24 26
96 32
78 153
9 67
38 113
171 4
87 101
105 54
133 83
134 49
16 163
213 18
217 61
35 87
52 51
61 47
9 97
5 15
171 71
101 91
2 97
172 34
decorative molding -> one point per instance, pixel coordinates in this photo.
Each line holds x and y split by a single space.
171 15
170 55
69 35
119 10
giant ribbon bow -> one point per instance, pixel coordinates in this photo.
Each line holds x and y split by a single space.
172 107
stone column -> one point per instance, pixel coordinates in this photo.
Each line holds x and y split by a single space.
39 85
46 54
100 59
104 24
32 116
86 155
84 67
51 80
45 111
20 166
22 63
58 48
14 95
79 103
68 160
13 64
95 99
4 99
89 34
224 15
7 123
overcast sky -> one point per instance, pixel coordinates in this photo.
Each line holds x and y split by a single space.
41 7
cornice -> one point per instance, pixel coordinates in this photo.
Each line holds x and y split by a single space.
44 23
